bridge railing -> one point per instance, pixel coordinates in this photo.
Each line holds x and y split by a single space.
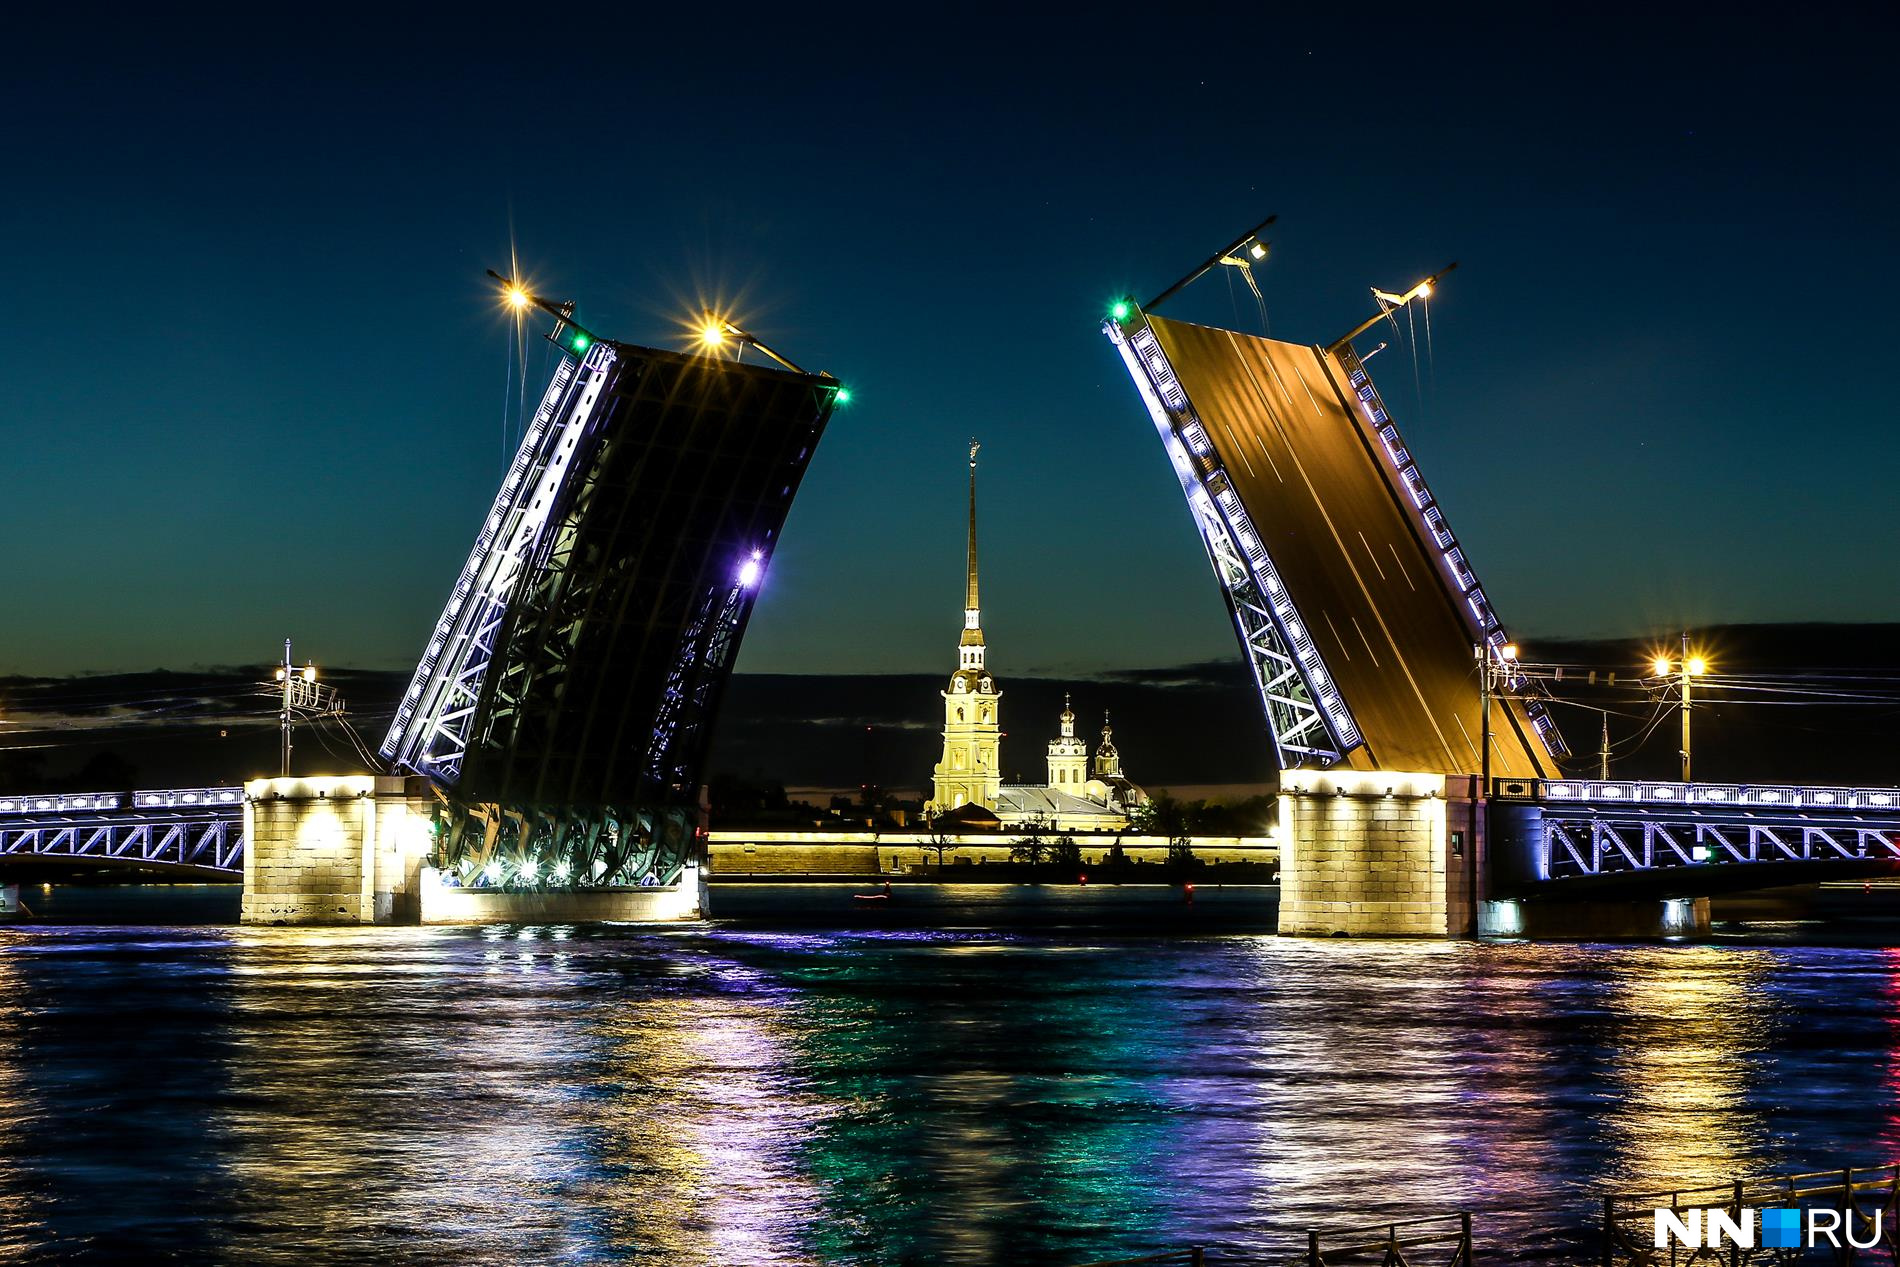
1774 796
1439 1239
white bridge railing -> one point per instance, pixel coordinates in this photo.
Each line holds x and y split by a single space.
1723 795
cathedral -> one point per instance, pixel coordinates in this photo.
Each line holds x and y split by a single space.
968 781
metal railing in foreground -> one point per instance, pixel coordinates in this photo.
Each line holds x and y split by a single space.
1440 1240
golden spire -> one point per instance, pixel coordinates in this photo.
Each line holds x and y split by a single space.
972 627
969 602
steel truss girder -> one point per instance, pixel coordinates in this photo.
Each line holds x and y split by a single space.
1608 843
1308 718
210 841
430 733
530 846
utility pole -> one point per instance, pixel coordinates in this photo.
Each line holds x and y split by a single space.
1489 662
283 717
1603 764
1685 706
1685 670
1484 721
300 694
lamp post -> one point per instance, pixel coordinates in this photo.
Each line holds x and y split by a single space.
1688 668
301 694
1494 662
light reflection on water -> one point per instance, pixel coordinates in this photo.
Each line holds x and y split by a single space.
731 1097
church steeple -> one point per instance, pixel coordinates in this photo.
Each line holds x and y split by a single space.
970 771
1108 762
1068 755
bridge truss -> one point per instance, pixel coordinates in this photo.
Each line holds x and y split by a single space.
196 829
1576 829
1306 714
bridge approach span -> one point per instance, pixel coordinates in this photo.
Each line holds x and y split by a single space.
1555 837
197 831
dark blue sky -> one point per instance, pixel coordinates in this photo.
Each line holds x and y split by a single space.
254 377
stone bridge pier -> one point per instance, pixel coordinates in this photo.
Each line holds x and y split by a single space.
1395 854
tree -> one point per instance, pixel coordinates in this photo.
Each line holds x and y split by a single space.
1032 846
939 838
1165 816
1064 852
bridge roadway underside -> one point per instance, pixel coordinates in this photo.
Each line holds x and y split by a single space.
1374 595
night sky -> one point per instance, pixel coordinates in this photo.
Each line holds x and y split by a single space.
255 381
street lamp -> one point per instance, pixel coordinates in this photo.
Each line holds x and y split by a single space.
1497 666
1390 303
1685 669
300 696
715 333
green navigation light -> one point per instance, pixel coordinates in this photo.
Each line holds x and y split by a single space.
1121 310
578 342
842 396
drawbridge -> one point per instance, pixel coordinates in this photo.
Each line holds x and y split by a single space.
1353 600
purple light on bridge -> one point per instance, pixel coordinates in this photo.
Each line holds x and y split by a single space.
750 569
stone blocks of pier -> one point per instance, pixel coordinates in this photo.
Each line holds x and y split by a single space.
342 849
1373 854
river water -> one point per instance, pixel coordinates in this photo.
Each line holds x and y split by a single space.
742 1094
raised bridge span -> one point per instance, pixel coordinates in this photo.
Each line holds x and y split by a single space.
562 705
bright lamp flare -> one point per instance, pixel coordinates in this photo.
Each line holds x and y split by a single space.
1660 666
1508 651
842 396
712 333
517 298
1121 310
749 573
1697 666
1424 290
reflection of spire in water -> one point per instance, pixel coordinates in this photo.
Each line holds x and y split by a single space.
1687 1024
